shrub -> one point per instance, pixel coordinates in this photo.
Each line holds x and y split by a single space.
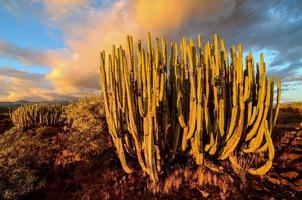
28 155
86 123
85 115
21 161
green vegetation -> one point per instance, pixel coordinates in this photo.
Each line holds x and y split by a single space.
86 127
85 115
192 99
20 162
52 136
4 110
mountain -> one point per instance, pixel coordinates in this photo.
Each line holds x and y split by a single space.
16 103
23 102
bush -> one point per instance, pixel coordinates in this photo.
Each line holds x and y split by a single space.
28 155
21 162
86 123
85 115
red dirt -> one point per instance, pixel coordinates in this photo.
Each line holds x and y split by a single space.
103 178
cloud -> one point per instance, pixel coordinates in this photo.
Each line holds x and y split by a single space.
76 67
63 8
16 85
170 14
89 26
264 26
18 74
25 55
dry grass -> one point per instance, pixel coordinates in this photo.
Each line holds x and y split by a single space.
202 179
173 182
245 163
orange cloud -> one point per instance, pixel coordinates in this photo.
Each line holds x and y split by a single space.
17 85
75 68
168 14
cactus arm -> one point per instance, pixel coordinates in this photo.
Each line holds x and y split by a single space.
121 156
255 143
235 138
266 167
276 112
192 120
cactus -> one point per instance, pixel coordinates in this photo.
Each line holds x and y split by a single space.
194 99
38 114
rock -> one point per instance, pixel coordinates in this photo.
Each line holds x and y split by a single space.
290 156
290 174
204 193
67 153
256 187
298 166
296 188
77 157
284 182
278 181
273 180
298 182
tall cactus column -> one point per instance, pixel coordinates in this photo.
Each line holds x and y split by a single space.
196 100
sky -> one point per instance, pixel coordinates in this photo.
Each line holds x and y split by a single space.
49 49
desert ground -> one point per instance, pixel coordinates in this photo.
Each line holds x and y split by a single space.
92 170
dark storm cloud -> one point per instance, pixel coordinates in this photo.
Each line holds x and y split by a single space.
272 25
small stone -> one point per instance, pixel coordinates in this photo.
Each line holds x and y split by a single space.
298 182
291 156
204 193
298 166
290 174
66 153
273 180
284 182
296 188
278 181
77 157
256 187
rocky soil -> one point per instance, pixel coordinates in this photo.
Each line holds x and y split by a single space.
103 178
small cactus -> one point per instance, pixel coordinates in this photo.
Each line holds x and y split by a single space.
38 114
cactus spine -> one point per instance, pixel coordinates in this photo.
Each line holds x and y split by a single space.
192 99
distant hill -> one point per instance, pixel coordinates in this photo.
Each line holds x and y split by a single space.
13 104
23 102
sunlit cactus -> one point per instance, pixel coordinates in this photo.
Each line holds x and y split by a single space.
191 97
34 115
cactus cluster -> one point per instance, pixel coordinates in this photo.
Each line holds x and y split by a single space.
191 97
39 114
